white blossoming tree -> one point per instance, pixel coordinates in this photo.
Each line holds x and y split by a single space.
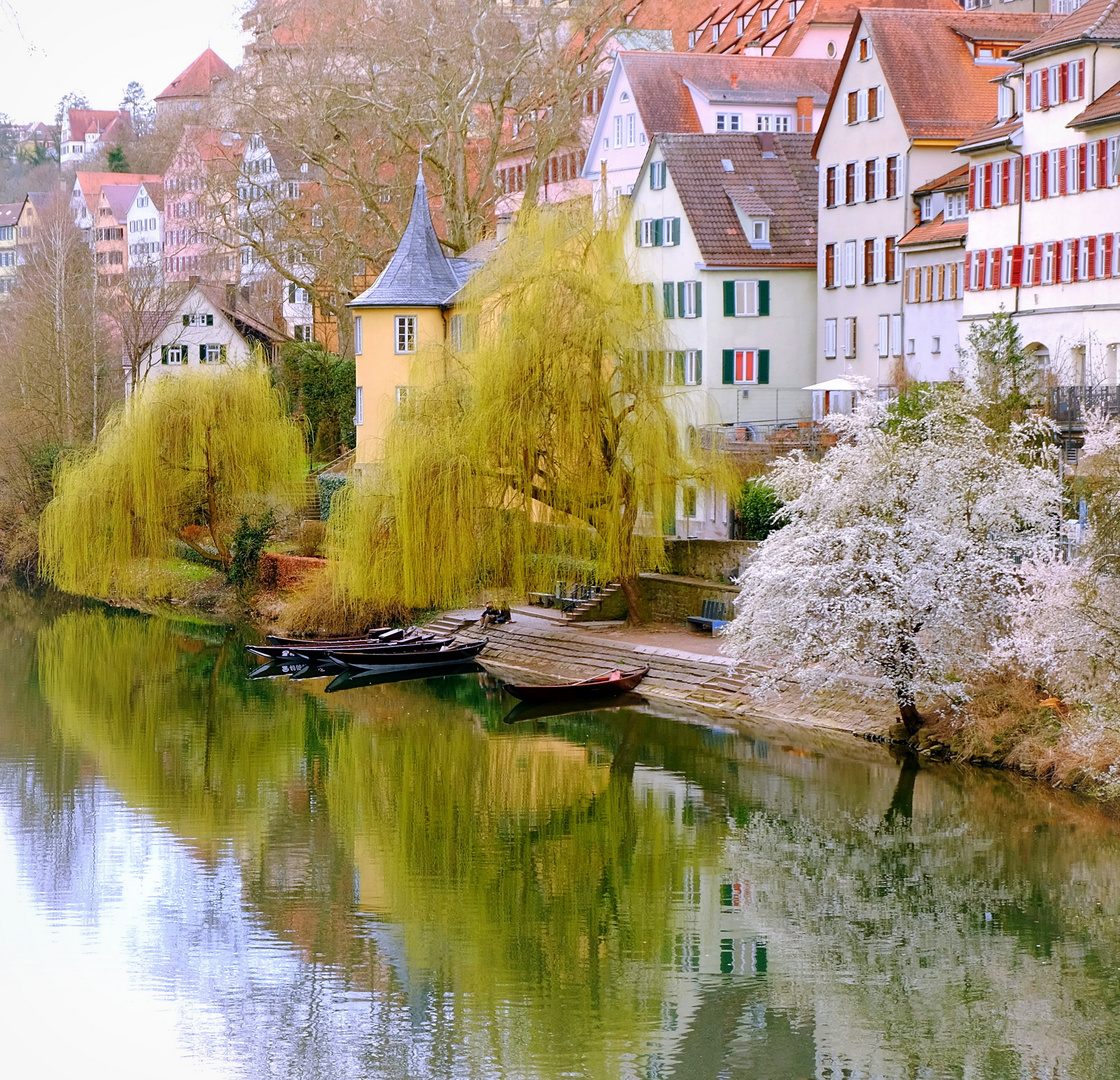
901 558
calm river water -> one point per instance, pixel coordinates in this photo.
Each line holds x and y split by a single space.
209 877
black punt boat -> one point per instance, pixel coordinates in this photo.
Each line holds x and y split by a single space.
380 633
401 660
273 652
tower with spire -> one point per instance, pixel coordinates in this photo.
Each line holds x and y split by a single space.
405 314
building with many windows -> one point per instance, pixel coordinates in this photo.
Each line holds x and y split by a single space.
912 85
1044 192
9 219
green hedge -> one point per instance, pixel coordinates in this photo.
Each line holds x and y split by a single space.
329 485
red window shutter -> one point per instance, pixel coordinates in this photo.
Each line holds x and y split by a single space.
1063 90
997 266
1081 159
1027 177
968 256
1017 265
1005 181
972 187
1027 91
1092 242
1063 170
988 184
1080 78
1102 163
1044 82
1108 241
1075 252
1038 263
982 265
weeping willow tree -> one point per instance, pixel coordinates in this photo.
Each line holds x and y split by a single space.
179 461
551 450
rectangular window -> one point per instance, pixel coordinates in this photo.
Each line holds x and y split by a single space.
359 417
861 182
1067 259
1029 267
850 337
849 262
358 334
830 185
729 121
618 131
1053 172
174 354
830 339
670 232
631 129
830 266
693 367
1005 266
1101 258
892 177
884 334
746 365
850 182
869 190
896 335
869 262
647 233
1083 262
1048 268
689 299
853 107
890 258
744 297
404 329
861 105
211 354
657 175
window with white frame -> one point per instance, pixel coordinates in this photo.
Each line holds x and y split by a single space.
618 130
650 228
1005 266
1113 162
884 334
1067 261
303 331
849 262
358 334
746 298
896 335
657 175
880 172
1083 270
359 417
404 332
1030 270
746 366
670 232
879 260
1092 166
956 206
174 354
850 336
1102 258
688 299
974 272
861 105
212 354
760 232
927 208
631 128
830 339
729 121
1036 176
1055 85
1053 173
779 122
693 367
198 318
1048 267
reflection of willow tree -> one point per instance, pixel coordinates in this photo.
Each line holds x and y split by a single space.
966 933
514 863
172 723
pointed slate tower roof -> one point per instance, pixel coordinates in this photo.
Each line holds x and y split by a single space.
419 274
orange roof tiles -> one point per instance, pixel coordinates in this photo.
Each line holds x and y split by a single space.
955 178
1095 20
199 77
85 122
1105 107
937 231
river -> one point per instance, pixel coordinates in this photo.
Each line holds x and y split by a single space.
210 877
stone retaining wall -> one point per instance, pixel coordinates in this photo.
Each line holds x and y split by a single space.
668 598
712 560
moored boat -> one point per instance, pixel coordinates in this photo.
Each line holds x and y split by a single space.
447 654
323 651
606 685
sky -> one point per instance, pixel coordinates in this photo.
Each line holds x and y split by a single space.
53 46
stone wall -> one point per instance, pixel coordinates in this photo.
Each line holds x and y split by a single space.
668 598
712 560
284 572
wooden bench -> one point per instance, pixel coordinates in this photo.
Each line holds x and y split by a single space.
713 615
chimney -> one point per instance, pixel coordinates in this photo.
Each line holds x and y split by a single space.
734 80
805 114
245 293
231 297
193 280
505 223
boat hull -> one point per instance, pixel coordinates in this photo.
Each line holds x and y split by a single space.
402 661
587 690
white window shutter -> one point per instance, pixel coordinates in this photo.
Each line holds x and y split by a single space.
880 260
884 334
896 335
880 178
861 104
861 186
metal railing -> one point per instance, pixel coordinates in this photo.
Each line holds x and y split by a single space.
1070 404
766 437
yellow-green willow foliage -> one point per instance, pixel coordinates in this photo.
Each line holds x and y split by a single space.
195 448
549 451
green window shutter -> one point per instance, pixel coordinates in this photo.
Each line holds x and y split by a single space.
637 234
186 320
676 231
670 295
678 369
729 298
209 320
680 298
764 298
699 368
728 367
658 238
202 353
763 366
699 299
222 350
163 354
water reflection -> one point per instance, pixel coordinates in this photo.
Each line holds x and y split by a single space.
393 881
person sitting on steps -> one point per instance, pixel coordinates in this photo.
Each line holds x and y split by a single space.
495 616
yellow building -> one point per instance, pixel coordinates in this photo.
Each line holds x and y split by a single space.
403 324
9 216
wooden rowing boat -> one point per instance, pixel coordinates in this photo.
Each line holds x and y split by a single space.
607 685
448 654
322 652
380 633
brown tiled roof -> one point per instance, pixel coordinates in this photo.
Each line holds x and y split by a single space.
91 183
784 180
995 133
154 188
937 231
1095 20
679 17
243 313
657 81
9 212
85 121
1105 107
956 178
199 78
939 91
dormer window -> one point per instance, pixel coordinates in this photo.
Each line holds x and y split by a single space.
760 233
729 121
927 208
1006 106
956 206
728 164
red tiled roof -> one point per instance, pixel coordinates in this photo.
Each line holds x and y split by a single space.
841 13
995 133
1095 20
91 183
1105 107
956 178
87 121
937 231
657 82
784 180
199 78
939 91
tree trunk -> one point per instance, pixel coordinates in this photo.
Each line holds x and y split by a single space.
633 600
908 713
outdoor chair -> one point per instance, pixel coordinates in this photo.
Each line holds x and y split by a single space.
713 616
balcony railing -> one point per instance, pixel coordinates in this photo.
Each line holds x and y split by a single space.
767 439
1070 404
